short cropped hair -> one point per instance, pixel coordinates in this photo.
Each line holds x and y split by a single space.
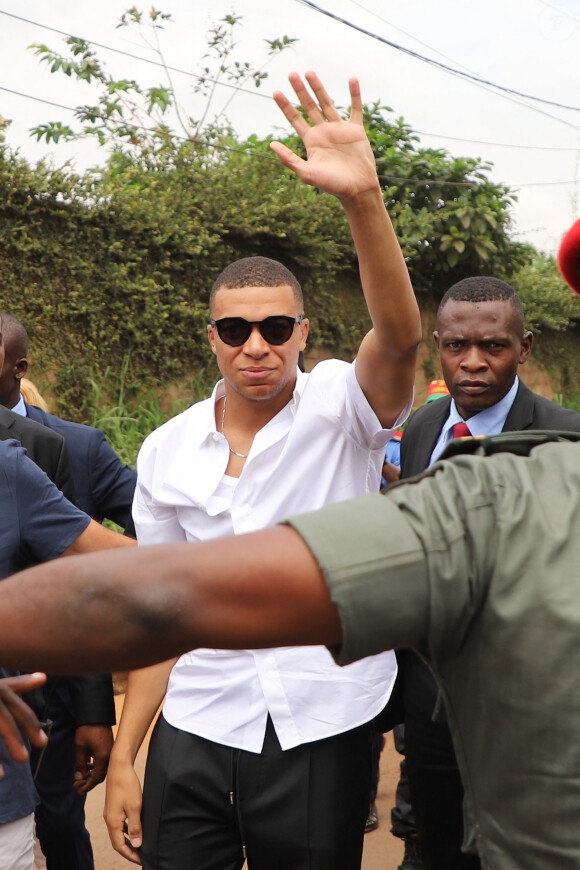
483 288
256 272
13 329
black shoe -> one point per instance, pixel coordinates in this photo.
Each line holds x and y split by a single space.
412 859
372 821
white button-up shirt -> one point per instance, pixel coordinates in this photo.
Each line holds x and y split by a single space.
324 446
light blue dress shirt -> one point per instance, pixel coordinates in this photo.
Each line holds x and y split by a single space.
20 407
488 422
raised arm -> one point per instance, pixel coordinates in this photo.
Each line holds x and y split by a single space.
340 161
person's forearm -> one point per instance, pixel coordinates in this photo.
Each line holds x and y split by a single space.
385 366
384 277
145 691
128 608
97 537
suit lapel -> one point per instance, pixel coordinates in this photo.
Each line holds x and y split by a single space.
7 423
521 413
425 437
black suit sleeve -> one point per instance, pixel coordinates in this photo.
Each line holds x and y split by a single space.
62 473
112 482
93 700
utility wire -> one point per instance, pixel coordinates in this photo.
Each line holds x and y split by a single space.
136 56
517 100
571 150
557 148
37 99
452 70
267 157
262 94
436 63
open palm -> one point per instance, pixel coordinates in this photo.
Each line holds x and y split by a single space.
339 158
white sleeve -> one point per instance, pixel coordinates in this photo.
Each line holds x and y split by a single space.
154 523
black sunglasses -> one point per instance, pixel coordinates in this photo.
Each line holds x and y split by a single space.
235 331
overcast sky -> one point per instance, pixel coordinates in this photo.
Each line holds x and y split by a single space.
529 46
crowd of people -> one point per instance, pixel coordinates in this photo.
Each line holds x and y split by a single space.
271 653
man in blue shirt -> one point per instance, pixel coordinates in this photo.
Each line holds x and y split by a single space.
82 709
35 518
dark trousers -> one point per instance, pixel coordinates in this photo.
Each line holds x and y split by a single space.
60 815
436 788
377 746
206 805
402 818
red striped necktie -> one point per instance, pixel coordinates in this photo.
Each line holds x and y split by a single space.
460 430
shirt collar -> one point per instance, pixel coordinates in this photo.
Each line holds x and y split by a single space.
209 425
20 407
487 422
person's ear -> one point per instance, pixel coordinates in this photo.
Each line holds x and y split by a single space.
20 368
526 346
436 340
304 326
211 337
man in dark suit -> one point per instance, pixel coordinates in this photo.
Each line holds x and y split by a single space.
104 485
81 708
48 449
481 342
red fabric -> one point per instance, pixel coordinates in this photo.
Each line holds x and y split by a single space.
461 430
569 257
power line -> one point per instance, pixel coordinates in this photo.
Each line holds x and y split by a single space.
37 99
404 179
570 150
267 96
519 101
474 78
512 99
436 63
148 60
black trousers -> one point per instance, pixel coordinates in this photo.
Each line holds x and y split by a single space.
205 805
434 779
60 815
402 817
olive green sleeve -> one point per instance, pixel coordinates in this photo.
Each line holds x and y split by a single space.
411 567
374 566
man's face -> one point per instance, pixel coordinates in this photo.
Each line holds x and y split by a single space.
257 370
480 345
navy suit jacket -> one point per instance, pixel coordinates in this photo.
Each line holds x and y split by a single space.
104 486
529 411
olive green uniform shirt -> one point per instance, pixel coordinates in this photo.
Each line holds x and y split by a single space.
477 566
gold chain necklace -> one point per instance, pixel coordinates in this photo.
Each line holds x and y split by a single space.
235 452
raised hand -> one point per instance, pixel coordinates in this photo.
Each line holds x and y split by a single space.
339 156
